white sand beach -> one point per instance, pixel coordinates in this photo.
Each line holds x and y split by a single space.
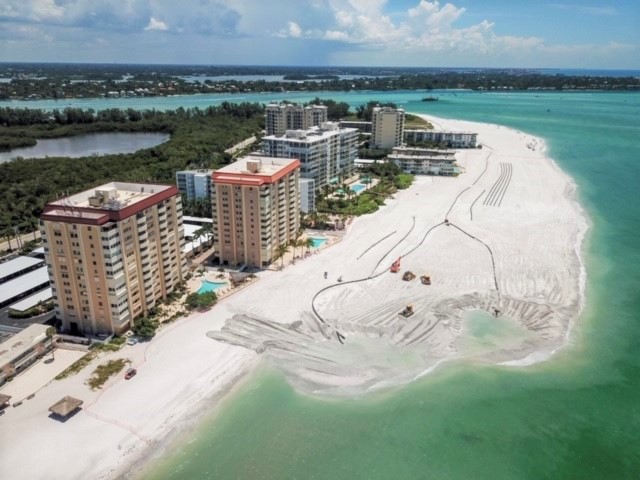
513 244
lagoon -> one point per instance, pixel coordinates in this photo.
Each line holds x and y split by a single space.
87 145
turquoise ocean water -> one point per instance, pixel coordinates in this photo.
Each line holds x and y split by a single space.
574 416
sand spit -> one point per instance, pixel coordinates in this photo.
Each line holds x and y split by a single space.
515 224
511 243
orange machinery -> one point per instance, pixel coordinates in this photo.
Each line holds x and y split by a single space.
395 267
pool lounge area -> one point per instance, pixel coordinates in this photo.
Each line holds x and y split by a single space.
209 286
318 241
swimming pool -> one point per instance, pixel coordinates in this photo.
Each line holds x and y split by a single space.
208 286
318 241
358 187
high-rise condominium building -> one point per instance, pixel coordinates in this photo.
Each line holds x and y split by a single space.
112 253
194 184
326 153
387 127
256 208
280 117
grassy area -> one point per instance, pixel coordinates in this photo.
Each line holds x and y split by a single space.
413 121
103 372
113 346
76 366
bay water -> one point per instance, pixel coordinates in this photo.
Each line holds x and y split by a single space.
576 415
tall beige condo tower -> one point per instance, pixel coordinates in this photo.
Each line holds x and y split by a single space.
280 117
256 208
112 253
387 127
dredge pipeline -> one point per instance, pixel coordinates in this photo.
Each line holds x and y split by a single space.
493 263
371 246
393 248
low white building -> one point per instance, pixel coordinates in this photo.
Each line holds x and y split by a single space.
449 139
423 161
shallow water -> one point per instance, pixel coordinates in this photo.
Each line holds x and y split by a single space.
574 416
88 144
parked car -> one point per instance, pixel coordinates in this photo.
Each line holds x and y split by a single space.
132 341
130 373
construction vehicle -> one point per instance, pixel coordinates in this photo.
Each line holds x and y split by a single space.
425 279
408 311
408 276
395 267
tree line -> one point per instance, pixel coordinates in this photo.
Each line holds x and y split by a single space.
198 138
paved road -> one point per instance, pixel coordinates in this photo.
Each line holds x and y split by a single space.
27 237
239 146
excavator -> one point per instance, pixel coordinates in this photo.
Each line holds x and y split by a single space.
408 311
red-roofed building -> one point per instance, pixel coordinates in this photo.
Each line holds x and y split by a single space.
112 253
256 208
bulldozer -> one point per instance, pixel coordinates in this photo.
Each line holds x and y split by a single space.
425 279
408 276
408 311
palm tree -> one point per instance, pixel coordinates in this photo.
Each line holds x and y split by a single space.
301 242
50 332
308 242
207 230
7 234
281 251
294 244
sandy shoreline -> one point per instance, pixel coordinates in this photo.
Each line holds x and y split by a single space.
523 207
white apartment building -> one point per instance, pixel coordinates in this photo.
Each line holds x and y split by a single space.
387 127
194 183
449 139
280 117
423 161
307 195
326 153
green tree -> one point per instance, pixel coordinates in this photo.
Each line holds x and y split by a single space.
281 251
308 242
200 300
145 327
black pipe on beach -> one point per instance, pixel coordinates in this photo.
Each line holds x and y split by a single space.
493 263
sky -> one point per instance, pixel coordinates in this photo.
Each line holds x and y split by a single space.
420 33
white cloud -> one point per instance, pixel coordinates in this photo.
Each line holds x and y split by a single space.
430 26
155 24
435 32
294 29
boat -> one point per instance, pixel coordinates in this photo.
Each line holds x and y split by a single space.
430 99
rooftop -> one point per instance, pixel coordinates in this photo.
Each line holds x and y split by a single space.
16 265
324 131
255 170
196 172
112 201
111 196
65 406
440 132
33 300
23 283
21 342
